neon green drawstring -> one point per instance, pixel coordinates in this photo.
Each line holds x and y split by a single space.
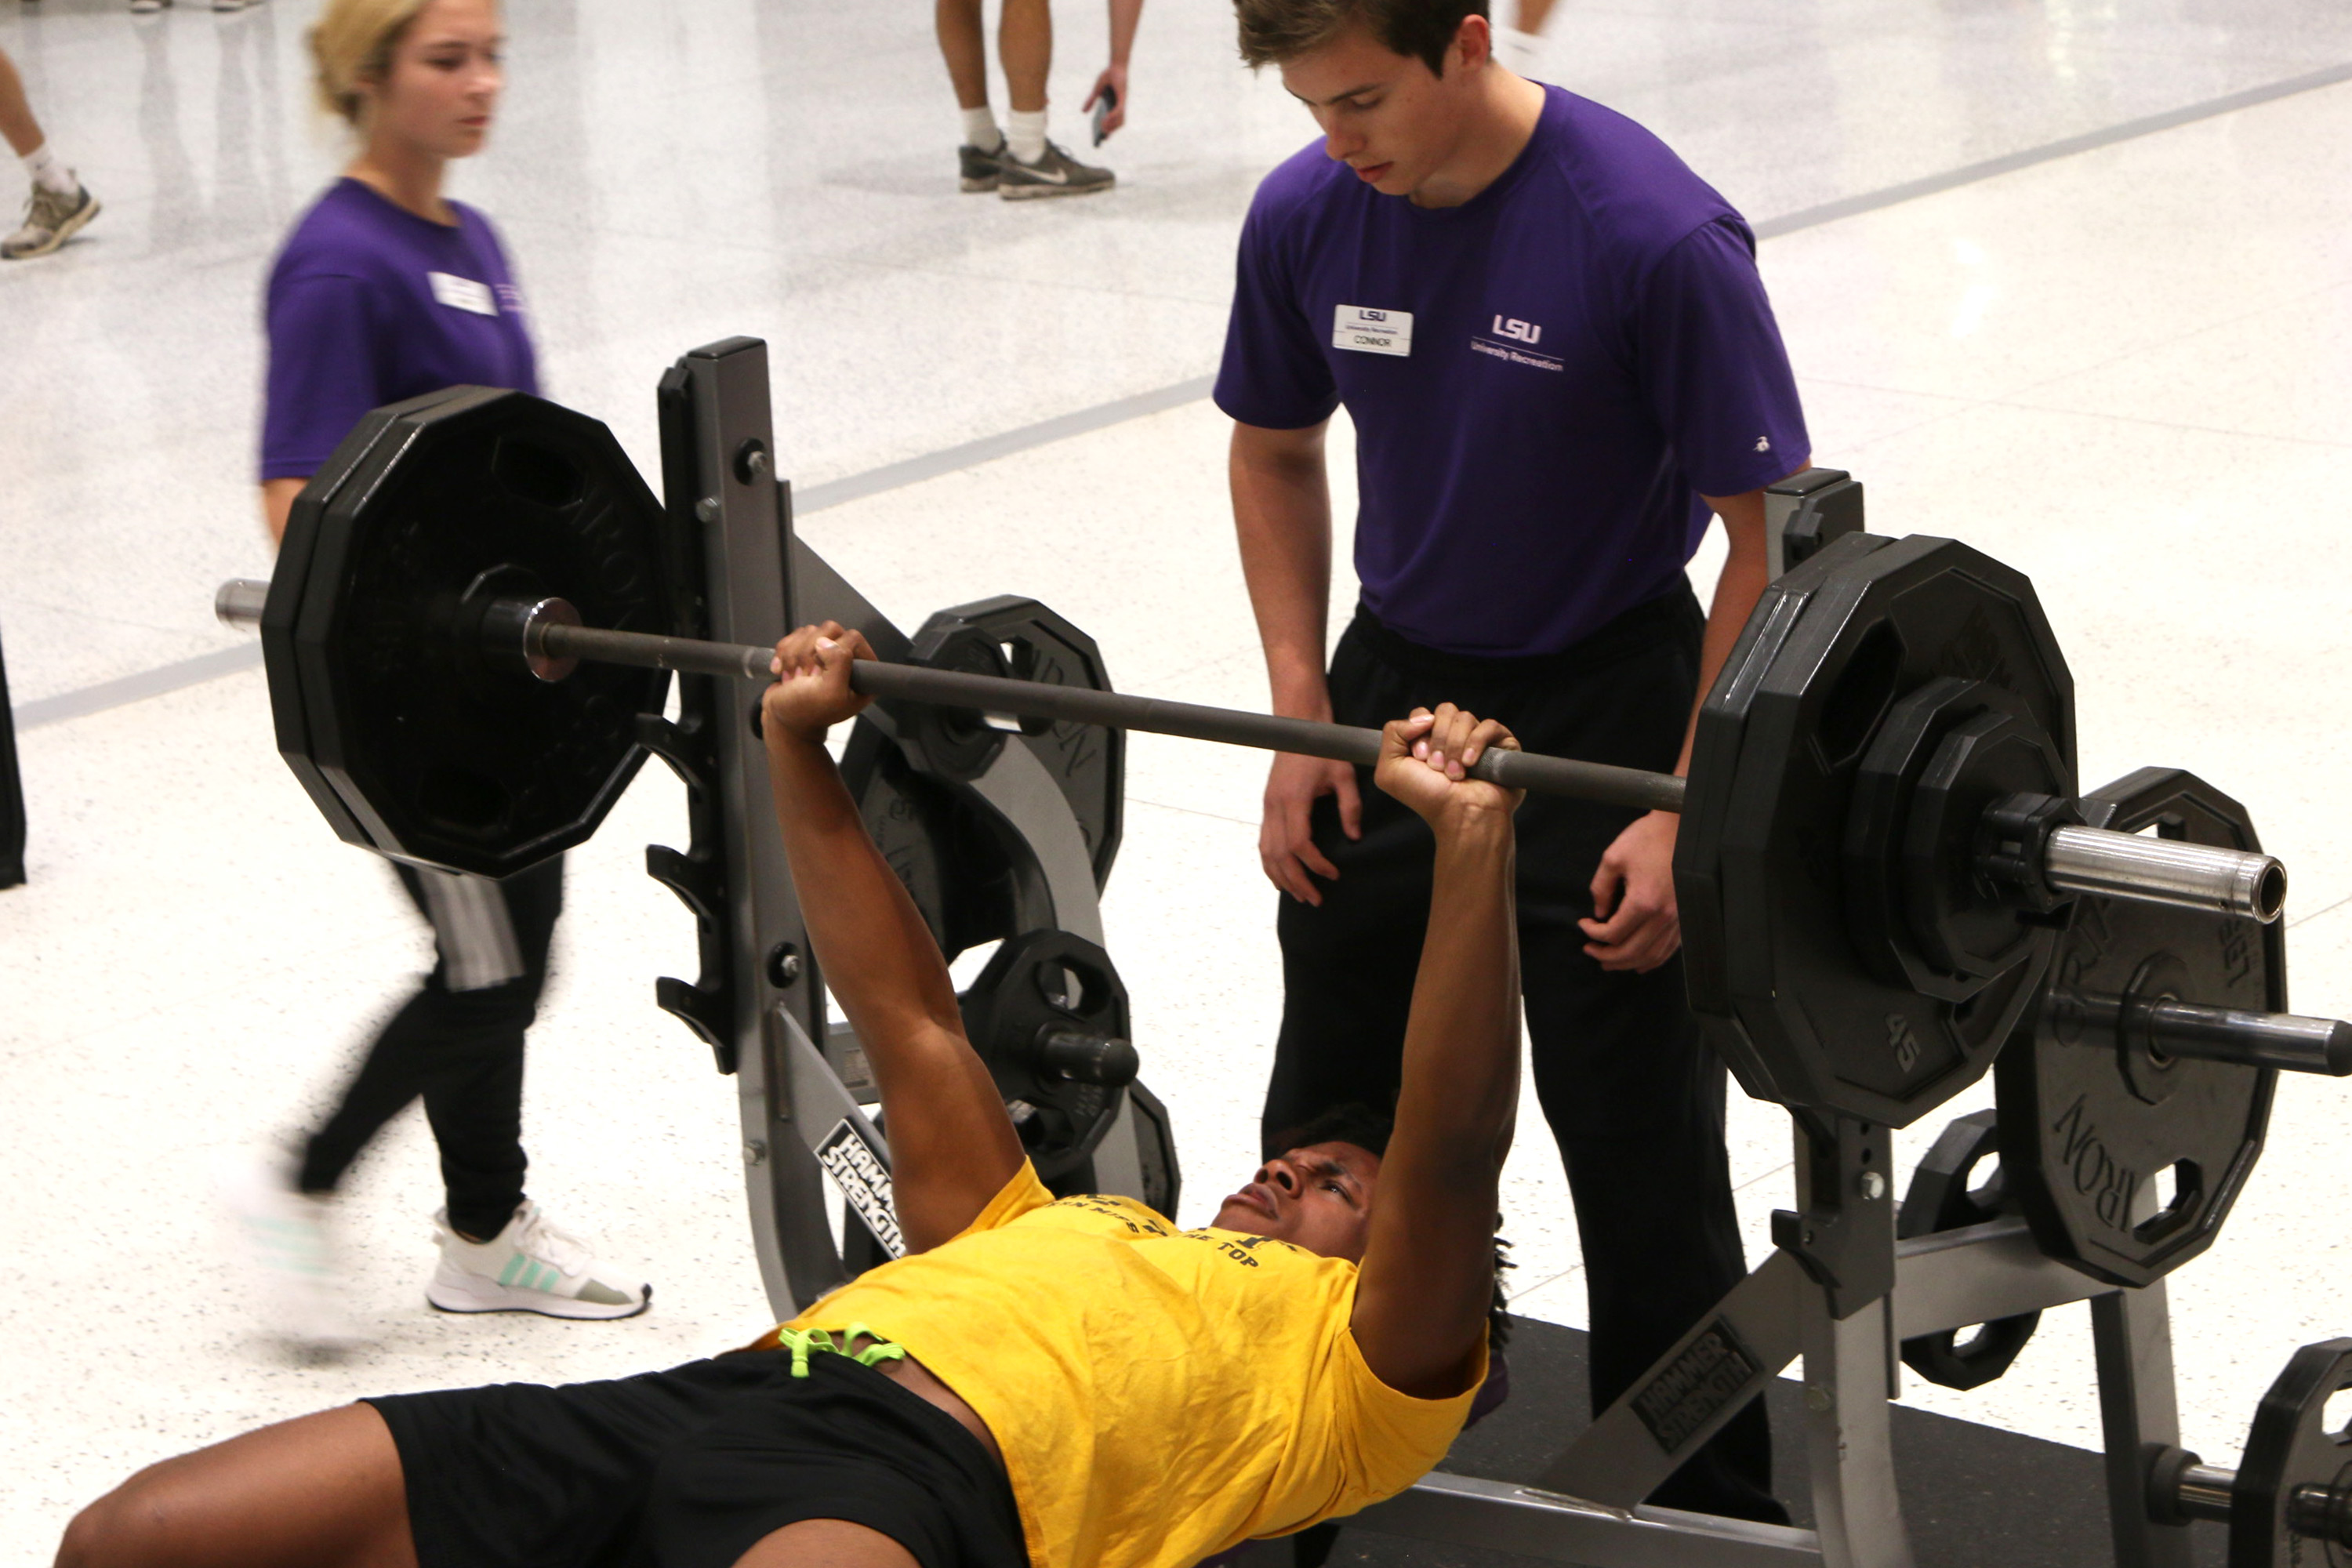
803 1341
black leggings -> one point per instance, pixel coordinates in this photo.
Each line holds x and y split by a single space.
1633 1095
461 1049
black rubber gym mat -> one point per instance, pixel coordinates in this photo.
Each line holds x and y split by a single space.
1974 1495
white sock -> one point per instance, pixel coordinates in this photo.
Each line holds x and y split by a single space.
1027 133
979 129
1518 52
48 173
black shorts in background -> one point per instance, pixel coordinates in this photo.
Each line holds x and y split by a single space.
692 1467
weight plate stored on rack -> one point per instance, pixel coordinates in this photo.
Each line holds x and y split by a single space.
1809 710
1048 1015
2288 1508
914 793
430 511
1944 1195
2105 1119
1010 636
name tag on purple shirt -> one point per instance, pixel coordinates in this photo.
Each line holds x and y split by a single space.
462 293
1371 331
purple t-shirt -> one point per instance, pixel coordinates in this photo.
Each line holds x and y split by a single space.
369 304
1543 380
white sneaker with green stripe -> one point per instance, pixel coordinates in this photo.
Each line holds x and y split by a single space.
529 1267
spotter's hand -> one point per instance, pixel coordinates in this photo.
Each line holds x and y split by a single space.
1636 925
811 692
1425 761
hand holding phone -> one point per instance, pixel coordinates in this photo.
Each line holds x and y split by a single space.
1108 101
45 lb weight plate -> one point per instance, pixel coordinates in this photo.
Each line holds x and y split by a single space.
1825 699
435 753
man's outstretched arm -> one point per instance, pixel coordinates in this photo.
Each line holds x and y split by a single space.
952 1148
1428 1277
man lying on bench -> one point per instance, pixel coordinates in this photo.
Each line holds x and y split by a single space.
1058 1384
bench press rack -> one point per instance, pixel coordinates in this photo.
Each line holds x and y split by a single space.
1586 1509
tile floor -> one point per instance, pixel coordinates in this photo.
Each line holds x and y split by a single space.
2118 369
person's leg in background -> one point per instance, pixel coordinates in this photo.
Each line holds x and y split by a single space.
1636 1099
1349 964
457 1045
1520 48
463 1026
59 205
1024 47
1034 166
963 46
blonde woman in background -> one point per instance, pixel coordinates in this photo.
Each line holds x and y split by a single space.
386 289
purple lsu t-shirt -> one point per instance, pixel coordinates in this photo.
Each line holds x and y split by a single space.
369 304
1543 380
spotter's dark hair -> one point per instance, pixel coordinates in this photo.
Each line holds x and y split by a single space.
1274 31
1370 1129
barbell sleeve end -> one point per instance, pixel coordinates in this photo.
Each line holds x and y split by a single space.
2096 860
238 600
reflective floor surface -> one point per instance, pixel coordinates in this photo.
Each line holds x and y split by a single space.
2118 365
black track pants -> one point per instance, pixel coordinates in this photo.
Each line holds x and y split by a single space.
1633 1095
458 1044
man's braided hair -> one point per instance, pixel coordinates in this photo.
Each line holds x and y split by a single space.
1368 1130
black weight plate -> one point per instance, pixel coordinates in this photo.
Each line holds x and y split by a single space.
2106 1120
442 758
1155 1147
1943 1195
282 611
1038 981
2289 1446
1715 766
942 844
1793 1008
1919 915
947 849
1009 635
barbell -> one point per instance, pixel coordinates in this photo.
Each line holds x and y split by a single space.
545 638
476 598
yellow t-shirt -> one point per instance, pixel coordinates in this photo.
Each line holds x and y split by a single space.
1158 1395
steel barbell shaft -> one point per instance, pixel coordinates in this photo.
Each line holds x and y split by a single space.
2079 859
994 694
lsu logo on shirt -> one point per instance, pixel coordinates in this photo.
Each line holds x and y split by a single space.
1514 341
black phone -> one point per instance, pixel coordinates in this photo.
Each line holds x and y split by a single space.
1103 106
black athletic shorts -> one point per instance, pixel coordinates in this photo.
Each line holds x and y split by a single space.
692 1467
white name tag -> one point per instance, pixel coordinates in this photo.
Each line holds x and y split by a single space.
462 294
1371 331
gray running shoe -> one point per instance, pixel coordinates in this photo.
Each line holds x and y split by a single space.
1055 174
980 170
50 220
